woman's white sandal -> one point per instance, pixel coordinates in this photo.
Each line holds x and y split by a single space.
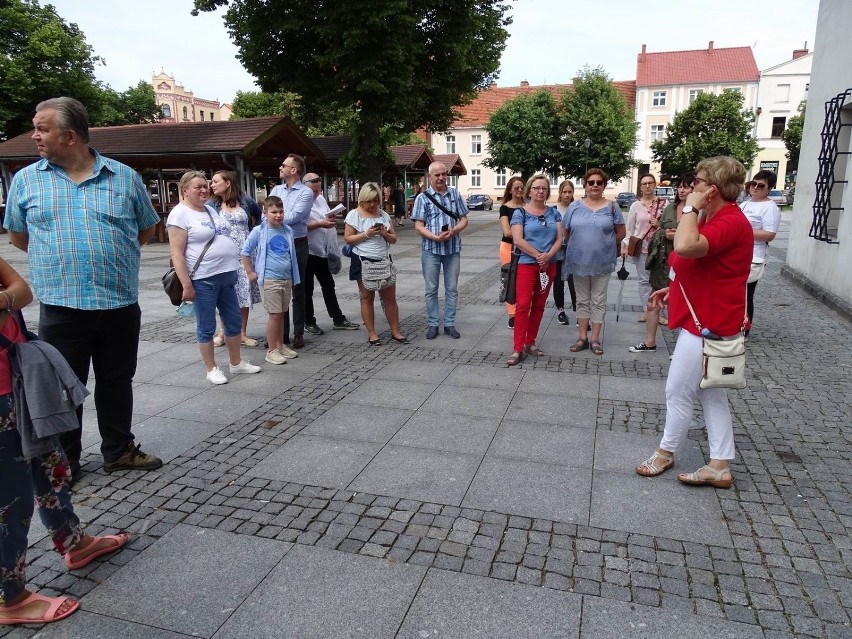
716 478
648 469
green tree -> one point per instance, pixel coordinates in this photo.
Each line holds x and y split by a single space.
43 57
792 137
256 104
136 105
593 109
524 134
712 125
401 64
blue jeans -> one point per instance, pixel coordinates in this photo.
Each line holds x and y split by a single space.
216 291
432 264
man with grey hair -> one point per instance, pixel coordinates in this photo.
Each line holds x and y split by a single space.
440 215
82 218
322 231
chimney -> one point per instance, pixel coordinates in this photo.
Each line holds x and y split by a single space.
799 53
524 84
642 55
710 47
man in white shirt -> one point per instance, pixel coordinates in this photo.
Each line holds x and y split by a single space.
322 231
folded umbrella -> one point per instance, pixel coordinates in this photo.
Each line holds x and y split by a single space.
622 274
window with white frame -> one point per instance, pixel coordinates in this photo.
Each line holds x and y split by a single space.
694 93
782 93
657 132
733 90
167 111
453 181
475 144
476 177
451 144
501 178
658 98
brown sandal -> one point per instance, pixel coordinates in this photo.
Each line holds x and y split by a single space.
532 349
597 349
581 345
515 359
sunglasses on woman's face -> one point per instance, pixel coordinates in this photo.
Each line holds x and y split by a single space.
594 182
757 185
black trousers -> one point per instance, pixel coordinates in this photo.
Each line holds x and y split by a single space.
318 267
559 290
298 292
109 340
750 301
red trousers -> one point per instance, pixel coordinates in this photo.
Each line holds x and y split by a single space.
529 303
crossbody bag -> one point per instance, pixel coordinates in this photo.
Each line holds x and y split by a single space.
171 283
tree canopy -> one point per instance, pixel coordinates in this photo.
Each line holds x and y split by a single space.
401 64
595 110
712 125
792 136
523 134
45 57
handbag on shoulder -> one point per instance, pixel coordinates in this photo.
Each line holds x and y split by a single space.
171 282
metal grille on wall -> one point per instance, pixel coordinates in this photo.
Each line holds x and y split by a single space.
828 158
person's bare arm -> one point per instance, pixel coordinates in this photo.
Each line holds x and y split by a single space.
177 250
19 240
145 235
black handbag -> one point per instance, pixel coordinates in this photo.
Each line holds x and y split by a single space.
508 279
171 282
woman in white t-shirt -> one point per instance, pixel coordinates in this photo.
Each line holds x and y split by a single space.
765 218
370 232
210 281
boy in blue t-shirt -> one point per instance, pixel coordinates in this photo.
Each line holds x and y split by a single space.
273 270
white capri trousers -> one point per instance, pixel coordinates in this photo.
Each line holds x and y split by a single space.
591 296
682 390
644 279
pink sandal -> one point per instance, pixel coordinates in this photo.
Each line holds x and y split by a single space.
120 540
51 614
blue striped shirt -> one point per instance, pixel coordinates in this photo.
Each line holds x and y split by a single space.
83 238
434 218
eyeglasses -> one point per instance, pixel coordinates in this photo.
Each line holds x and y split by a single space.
757 185
647 183
697 179
314 181
538 188
287 166
595 182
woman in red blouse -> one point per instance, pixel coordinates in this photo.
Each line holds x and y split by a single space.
710 264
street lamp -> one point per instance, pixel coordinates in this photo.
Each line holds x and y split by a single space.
587 143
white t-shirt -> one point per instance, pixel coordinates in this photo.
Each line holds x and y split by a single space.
221 257
763 216
318 238
376 247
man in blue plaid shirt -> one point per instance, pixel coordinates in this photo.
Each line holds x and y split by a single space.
82 218
440 215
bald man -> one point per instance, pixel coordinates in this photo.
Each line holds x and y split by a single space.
321 231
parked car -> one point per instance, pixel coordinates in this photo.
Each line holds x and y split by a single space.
665 192
625 199
480 201
777 196
791 195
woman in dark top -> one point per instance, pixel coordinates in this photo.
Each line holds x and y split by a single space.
513 199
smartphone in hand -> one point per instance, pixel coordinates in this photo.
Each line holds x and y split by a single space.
446 227
378 226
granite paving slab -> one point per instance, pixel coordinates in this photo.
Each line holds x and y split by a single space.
622 452
153 399
546 443
191 580
418 473
406 395
88 625
217 406
359 423
505 379
407 371
645 391
317 461
462 433
461 400
566 384
322 593
550 409
457 605
167 438
625 502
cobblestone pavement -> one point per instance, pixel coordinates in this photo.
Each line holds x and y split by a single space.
780 569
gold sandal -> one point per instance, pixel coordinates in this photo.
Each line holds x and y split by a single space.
648 468
716 479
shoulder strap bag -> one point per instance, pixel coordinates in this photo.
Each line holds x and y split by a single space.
724 359
171 282
441 206
509 273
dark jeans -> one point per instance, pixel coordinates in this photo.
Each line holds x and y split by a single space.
318 266
750 302
298 291
559 290
109 340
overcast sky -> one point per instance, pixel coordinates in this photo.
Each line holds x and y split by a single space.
549 39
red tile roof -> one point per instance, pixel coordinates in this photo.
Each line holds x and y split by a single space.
453 162
478 112
699 66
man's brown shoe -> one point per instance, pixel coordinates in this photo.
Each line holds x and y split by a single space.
133 459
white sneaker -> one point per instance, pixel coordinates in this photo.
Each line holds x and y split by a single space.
216 376
244 367
274 357
289 353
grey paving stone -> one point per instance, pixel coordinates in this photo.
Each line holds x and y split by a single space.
531 489
608 619
623 452
360 423
168 438
216 407
316 592
318 461
460 400
429 372
464 605
418 473
563 384
506 379
191 600
87 625
630 390
462 433
404 395
536 442
549 409
622 502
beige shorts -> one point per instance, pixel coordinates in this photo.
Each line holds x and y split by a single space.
277 295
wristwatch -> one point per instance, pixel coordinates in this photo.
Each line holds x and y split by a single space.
689 209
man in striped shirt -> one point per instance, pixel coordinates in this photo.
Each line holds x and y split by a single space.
440 215
82 219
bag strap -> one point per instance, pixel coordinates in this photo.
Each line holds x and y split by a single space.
515 249
206 246
695 319
441 206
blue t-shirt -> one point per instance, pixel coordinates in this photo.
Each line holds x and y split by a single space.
278 266
540 231
591 246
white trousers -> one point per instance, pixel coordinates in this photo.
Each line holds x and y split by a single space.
644 279
682 390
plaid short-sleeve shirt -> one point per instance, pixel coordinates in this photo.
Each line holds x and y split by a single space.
434 218
83 238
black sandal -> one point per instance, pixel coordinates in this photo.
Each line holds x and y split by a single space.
401 340
581 345
375 342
